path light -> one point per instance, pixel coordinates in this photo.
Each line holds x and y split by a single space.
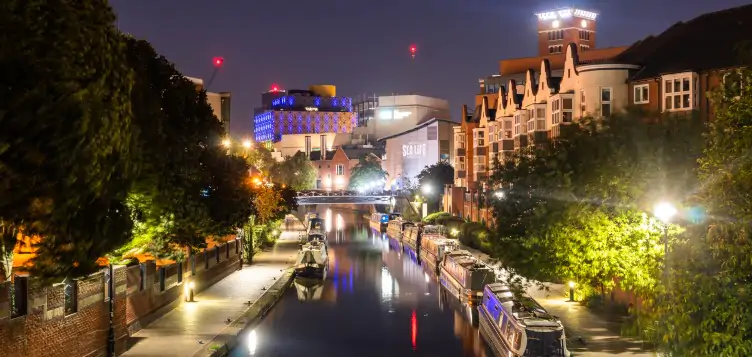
499 194
188 290
571 290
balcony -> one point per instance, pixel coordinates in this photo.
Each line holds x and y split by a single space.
507 144
459 152
461 174
480 151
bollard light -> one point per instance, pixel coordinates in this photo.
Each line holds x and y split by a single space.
571 290
188 290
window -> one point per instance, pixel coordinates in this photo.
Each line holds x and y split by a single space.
584 35
517 120
641 94
556 112
677 92
566 110
583 107
340 170
556 35
606 102
308 145
507 129
584 48
555 49
479 137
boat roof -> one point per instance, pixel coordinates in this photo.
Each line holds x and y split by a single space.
524 308
467 260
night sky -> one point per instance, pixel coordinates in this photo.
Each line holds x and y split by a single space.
363 46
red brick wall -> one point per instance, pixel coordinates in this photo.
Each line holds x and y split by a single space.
46 331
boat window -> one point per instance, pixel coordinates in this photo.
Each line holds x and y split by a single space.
547 343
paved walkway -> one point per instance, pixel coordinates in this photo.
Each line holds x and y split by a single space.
601 337
191 326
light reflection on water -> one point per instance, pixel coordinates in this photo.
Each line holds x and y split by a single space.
376 301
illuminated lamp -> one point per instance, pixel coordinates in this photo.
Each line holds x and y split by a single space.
218 61
413 49
583 23
555 24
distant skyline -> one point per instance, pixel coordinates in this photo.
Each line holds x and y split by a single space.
364 47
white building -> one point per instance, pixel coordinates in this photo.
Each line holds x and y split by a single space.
219 102
384 116
410 151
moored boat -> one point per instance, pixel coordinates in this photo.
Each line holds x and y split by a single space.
312 260
396 227
433 248
381 220
464 275
308 289
316 225
313 236
411 241
516 325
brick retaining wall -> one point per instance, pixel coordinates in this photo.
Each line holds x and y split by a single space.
53 326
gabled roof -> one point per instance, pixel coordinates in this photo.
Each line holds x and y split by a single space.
710 41
316 155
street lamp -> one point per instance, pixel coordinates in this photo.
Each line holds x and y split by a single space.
571 290
664 211
426 189
499 194
226 143
247 144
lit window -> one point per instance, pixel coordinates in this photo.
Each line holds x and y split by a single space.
641 94
340 170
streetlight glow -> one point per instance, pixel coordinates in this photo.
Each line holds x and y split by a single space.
426 189
247 144
664 211
499 194
226 143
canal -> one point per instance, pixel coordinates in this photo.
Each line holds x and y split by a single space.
375 301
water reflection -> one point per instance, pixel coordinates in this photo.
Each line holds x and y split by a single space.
375 302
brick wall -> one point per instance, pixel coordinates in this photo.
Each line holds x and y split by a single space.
48 328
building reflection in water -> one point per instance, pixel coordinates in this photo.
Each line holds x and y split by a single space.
414 330
465 326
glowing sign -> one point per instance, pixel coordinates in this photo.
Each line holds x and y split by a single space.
414 150
586 14
393 114
566 13
311 109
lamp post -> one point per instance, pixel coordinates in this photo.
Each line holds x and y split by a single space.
664 211
571 290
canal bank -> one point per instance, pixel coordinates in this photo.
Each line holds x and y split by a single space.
205 326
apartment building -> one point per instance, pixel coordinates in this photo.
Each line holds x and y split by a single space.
665 73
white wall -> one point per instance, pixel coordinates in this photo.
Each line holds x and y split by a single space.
395 114
292 143
407 155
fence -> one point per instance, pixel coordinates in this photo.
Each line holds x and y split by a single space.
72 318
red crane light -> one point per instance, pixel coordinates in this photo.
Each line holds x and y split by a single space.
413 49
275 88
218 61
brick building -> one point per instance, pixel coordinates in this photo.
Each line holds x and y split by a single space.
333 169
664 73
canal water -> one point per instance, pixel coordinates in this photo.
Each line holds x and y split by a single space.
376 301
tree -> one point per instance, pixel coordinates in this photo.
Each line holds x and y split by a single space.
267 202
260 158
436 177
707 309
296 172
65 138
188 188
576 209
367 171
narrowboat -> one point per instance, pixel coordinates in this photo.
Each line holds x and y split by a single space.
464 276
313 236
316 225
516 325
433 248
308 289
395 228
380 220
312 261
411 242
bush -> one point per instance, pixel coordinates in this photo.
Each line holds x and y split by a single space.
450 222
432 218
474 235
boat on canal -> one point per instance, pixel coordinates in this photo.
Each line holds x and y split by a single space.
313 236
308 289
516 325
434 247
308 217
316 225
380 221
411 242
464 276
396 227
313 260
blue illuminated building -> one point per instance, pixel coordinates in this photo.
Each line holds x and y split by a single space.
317 110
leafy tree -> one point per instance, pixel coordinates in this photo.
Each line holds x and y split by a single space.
436 176
368 170
261 159
296 172
289 199
187 188
65 138
707 309
267 202
576 209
